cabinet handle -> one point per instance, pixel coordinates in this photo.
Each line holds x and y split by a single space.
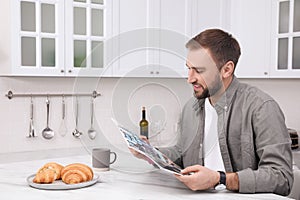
151 72
157 72
70 71
265 73
62 71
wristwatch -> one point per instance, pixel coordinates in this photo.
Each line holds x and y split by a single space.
222 182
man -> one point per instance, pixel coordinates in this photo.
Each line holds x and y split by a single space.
230 133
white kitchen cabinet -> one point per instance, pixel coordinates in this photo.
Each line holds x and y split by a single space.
285 39
150 35
142 38
269 34
88 25
130 23
56 37
250 25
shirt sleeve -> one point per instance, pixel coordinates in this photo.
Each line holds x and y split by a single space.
273 148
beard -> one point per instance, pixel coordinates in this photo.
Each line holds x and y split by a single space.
204 94
216 85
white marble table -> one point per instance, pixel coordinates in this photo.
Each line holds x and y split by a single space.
113 184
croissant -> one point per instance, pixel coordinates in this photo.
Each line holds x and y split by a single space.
48 173
76 173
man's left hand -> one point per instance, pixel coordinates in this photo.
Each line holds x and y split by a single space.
197 177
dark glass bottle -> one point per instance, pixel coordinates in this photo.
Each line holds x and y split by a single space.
144 123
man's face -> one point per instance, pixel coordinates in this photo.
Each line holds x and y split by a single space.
203 73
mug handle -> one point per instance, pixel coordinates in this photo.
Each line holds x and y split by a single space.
115 157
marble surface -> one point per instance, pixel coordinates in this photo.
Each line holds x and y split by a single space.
118 183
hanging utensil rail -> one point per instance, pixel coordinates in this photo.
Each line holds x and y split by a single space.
11 95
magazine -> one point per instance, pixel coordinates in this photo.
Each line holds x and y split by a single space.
157 158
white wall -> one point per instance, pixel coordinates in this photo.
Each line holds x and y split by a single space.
121 98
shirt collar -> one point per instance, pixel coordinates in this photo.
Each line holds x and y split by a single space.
226 99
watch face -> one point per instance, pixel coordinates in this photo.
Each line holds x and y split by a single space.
220 187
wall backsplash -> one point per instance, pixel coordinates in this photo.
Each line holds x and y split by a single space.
121 98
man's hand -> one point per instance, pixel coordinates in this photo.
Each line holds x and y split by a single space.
197 177
139 155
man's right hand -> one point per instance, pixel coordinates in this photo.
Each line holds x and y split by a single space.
138 154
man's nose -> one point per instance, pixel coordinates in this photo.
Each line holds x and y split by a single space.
191 76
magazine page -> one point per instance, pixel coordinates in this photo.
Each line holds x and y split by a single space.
159 159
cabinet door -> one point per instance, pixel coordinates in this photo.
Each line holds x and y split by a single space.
37 38
88 27
151 34
250 24
285 60
180 20
210 14
175 29
130 37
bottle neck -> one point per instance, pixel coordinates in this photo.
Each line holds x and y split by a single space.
143 114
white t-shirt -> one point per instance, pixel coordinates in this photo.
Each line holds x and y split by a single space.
212 154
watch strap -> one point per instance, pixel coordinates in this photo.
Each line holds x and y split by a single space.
222 178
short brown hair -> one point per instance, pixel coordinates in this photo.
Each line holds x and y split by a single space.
222 46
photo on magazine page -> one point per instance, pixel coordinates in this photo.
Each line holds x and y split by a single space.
159 159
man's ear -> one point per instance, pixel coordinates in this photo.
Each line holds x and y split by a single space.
228 69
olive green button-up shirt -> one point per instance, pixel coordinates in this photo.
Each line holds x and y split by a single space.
253 138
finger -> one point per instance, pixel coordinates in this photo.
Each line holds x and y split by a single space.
190 169
144 138
183 178
135 153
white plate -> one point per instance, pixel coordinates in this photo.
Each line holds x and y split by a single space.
59 185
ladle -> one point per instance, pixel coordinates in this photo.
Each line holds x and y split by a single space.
76 133
48 133
92 132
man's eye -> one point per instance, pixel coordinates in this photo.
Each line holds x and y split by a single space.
199 71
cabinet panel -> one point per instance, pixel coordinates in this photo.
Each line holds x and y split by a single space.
57 38
28 16
175 31
285 36
209 14
253 33
88 32
37 40
130 37
151 37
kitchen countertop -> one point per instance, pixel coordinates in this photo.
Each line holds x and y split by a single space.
118 183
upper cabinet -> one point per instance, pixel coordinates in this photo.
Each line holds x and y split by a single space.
269 35
57 38
285 39
150 35
143 38
88 26
250 25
